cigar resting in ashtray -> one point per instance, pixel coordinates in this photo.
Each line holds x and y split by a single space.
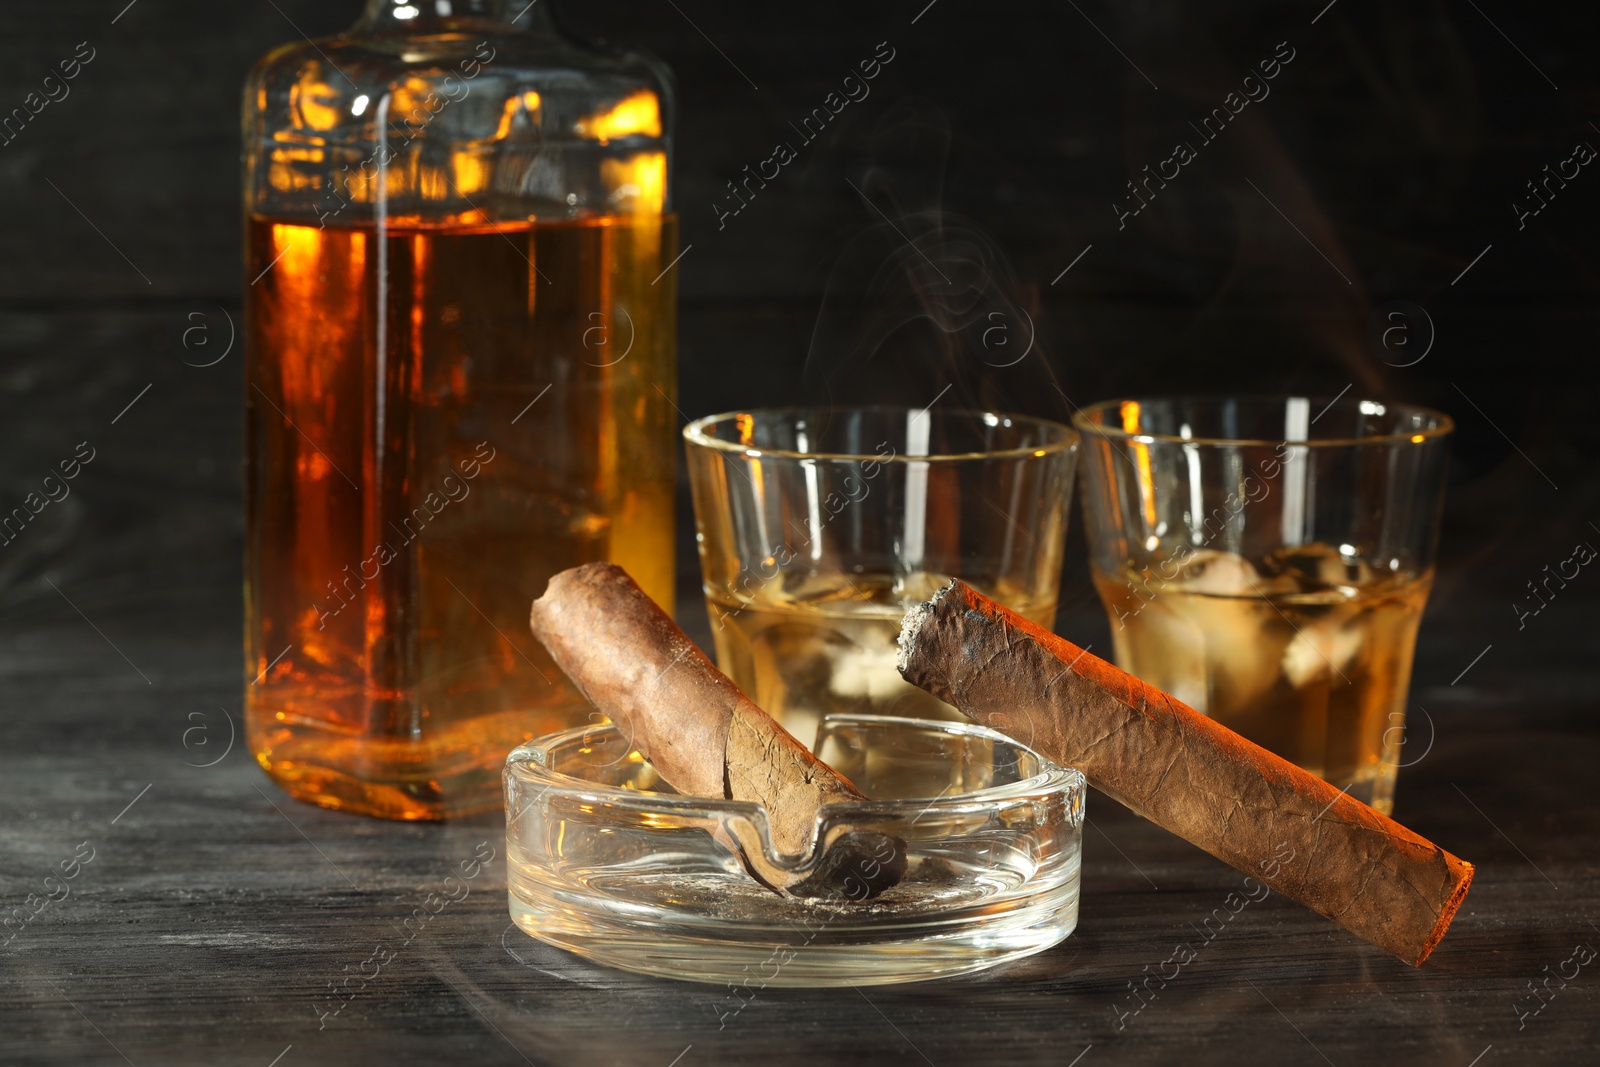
1186 772
703 736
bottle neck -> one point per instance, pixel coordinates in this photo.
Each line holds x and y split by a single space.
436 16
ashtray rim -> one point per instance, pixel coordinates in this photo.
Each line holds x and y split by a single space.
530 760
1021 843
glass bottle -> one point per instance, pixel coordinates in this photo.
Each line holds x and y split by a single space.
460 379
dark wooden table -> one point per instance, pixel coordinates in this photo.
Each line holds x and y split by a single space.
215 911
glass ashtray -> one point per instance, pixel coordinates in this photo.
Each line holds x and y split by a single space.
605 860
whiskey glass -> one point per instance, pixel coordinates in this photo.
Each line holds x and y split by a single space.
1266 561
819 527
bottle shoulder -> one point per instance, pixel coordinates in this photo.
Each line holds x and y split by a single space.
316 82
506 123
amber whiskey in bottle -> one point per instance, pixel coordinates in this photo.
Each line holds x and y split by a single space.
460 379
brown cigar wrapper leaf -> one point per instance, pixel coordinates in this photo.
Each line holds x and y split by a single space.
1183 771
703 736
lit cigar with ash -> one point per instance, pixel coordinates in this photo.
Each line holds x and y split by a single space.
705 737
1185 772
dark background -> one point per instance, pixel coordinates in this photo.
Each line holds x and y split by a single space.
1395 143
1387 157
